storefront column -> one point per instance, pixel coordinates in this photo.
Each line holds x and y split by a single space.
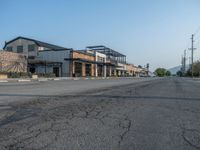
93 71
104 71
115 72
96 71
83 70
110 71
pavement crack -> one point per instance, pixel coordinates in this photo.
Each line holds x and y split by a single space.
125 125
191 137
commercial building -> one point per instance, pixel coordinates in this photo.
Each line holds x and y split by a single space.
115 61
82 64
130 70
42 57
45 58
95 61
100 62
140 71
52 62
29 47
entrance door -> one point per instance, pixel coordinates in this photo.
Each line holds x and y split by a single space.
100 70
32 70
78 69
88 70
56 71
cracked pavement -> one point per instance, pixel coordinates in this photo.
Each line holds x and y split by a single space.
146 115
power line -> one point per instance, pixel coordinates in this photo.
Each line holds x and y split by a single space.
191 59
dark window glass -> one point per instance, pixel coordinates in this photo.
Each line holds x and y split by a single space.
19 49
31 47
9 48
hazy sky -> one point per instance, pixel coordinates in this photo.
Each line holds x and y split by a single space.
147 31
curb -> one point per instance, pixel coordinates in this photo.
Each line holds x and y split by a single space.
63 78
3 81
24 80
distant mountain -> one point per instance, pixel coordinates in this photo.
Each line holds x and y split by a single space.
174 70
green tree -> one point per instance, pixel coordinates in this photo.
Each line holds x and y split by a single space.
161 72
196 69
179 73
168 73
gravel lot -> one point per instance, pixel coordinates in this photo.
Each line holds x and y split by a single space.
139 114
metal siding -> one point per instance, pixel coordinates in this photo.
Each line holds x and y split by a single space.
25 44
57 56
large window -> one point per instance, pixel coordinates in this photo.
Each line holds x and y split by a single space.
88 69
20 49
9 49
100 59
78 69
31 47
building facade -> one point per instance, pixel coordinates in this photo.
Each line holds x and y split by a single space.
53 61
82 64
42 57
130 70
100 62
115 61
95 61
29 47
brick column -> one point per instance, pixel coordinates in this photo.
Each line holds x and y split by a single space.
93 70
83 70
73 67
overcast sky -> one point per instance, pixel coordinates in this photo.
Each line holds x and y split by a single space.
147 31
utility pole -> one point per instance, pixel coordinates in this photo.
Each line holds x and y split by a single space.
182 64
192 55
147 68
189 58
184 61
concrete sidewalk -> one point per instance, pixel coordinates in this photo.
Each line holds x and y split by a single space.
61 78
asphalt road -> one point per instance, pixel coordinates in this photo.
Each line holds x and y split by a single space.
147 114
10 92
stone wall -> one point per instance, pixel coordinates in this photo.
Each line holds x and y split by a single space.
12 62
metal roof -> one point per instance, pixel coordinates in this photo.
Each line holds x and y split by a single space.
106 50
39 43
